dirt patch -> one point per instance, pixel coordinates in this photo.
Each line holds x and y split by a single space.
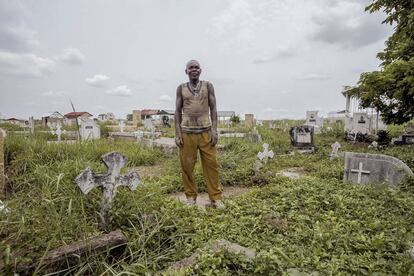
293 173
149 171
203 200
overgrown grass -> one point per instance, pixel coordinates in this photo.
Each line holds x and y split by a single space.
315 224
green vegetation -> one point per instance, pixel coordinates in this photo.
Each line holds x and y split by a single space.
315 224
391 90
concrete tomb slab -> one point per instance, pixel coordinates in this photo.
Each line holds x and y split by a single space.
363 168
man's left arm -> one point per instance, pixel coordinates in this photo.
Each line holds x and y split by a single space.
213 113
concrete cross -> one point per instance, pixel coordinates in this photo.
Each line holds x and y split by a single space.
335 147
109 182
56 129
265 154
360 171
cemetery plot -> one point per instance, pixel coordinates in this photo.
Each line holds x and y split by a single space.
308 222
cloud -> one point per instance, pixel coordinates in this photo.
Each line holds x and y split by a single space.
100 107
281 54
347 25
54 93
15 36
28 65
165 98
97 80
122 91
239 20
72 56
315 76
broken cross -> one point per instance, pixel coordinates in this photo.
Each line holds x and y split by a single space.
265 154
109 182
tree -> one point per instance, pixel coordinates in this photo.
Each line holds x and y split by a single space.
391 89
235 119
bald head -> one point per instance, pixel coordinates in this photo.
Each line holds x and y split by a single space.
192 62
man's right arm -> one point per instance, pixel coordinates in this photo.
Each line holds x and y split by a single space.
178 117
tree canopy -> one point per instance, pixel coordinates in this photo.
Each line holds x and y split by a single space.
391 89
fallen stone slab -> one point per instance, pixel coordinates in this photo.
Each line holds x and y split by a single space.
215 246
111 244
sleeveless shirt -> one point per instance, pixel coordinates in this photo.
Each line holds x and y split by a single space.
196 109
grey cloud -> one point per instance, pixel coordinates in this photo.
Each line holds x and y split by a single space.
348 32
97 80
28 65
15 36
315 76
281 54
72 56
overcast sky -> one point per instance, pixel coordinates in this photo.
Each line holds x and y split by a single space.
275 59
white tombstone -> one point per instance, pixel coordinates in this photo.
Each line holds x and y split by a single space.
335 147
313 119
31 125
89 129
149 125
121 125
359 122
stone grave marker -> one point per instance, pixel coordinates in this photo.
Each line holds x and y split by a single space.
149 125
363 168
408 137
89 130
313 119
335 147
302 137
31 125
2 176
254 136
109 182
121 125
56 129
265 154
249 120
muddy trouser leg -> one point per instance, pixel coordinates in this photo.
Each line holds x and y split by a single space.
188 157
208 155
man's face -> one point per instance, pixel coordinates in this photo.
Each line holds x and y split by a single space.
193 70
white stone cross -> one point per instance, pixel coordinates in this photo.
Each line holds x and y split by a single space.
335 147
56 129
360 171
265 154
109 182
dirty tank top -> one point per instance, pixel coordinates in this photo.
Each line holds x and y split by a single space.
196 110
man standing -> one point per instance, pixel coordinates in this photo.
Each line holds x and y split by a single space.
196 129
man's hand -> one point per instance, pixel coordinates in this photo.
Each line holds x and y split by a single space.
179 141
214 137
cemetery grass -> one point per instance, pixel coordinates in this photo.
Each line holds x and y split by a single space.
314 224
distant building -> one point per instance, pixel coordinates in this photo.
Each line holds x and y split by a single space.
15 121
224 116
70 118
106 117
52 117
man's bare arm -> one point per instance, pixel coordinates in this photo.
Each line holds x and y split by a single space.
213 113
178 117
